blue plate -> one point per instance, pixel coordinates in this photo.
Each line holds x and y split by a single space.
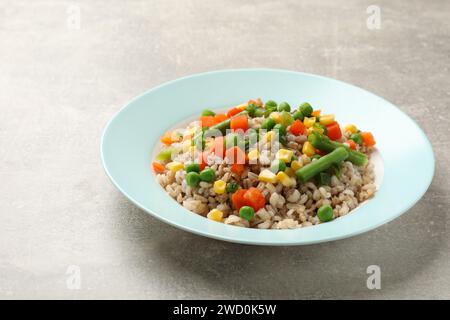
404 160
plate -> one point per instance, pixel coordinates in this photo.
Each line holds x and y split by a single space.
404 159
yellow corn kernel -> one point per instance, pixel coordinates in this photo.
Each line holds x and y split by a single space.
351 128
317 129
290 172
276 116
241 106
309 122
295 165
253 155
267 176
215 215
284 179
174 166
308 149
326 119
284 155
219 187
269 136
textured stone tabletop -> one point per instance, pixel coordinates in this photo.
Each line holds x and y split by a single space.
67 66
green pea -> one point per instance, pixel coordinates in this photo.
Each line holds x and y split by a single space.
281 129
251 108
193 179
277 165
324 179
268 124
270 104
286 118
306 109
325 213
246 212
193 167
232 187
356 137
284 106
298 115
259 112
208 112
207 175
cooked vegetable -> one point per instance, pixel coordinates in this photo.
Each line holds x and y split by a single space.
232 187
324 179
334 131
325 213
277 165
351 144
308 149
270 104
368 139
254 198
218 118
246 212
235 155
306 109
285 180
158 167
193 167
253 155
207 121
295 165
298 115
219 186
192 179
267 176
326 119
268 124
169 137
351 128
237 168
239 122
208 112
164 155
323 143
233 111
322 164
175 166
286 118
316 113
224 125
297 128
207 175
284 155
238 200
357 138
251 108
280 128
309 122
259 112
284 106
215 215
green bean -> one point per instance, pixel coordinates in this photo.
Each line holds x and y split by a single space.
324 143
225 124
357 138
322 164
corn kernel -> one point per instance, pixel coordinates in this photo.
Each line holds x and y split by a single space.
215 215
351 128
253 155
284 155
267 176
241 106
175 166
308 149
309 122
284 179
295 165
326 119
219 187
275 116
269 136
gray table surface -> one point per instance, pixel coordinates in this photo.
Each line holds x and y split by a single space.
63 221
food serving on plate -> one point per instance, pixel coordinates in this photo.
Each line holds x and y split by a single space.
263 165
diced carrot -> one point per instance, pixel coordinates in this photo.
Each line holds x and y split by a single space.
334 131
201 160
233 111
351 144
158 167
220 117
316 113
239 122
168 138
207 121
297 128
235 155
255 198
237 168
218 146
238 200
368 138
